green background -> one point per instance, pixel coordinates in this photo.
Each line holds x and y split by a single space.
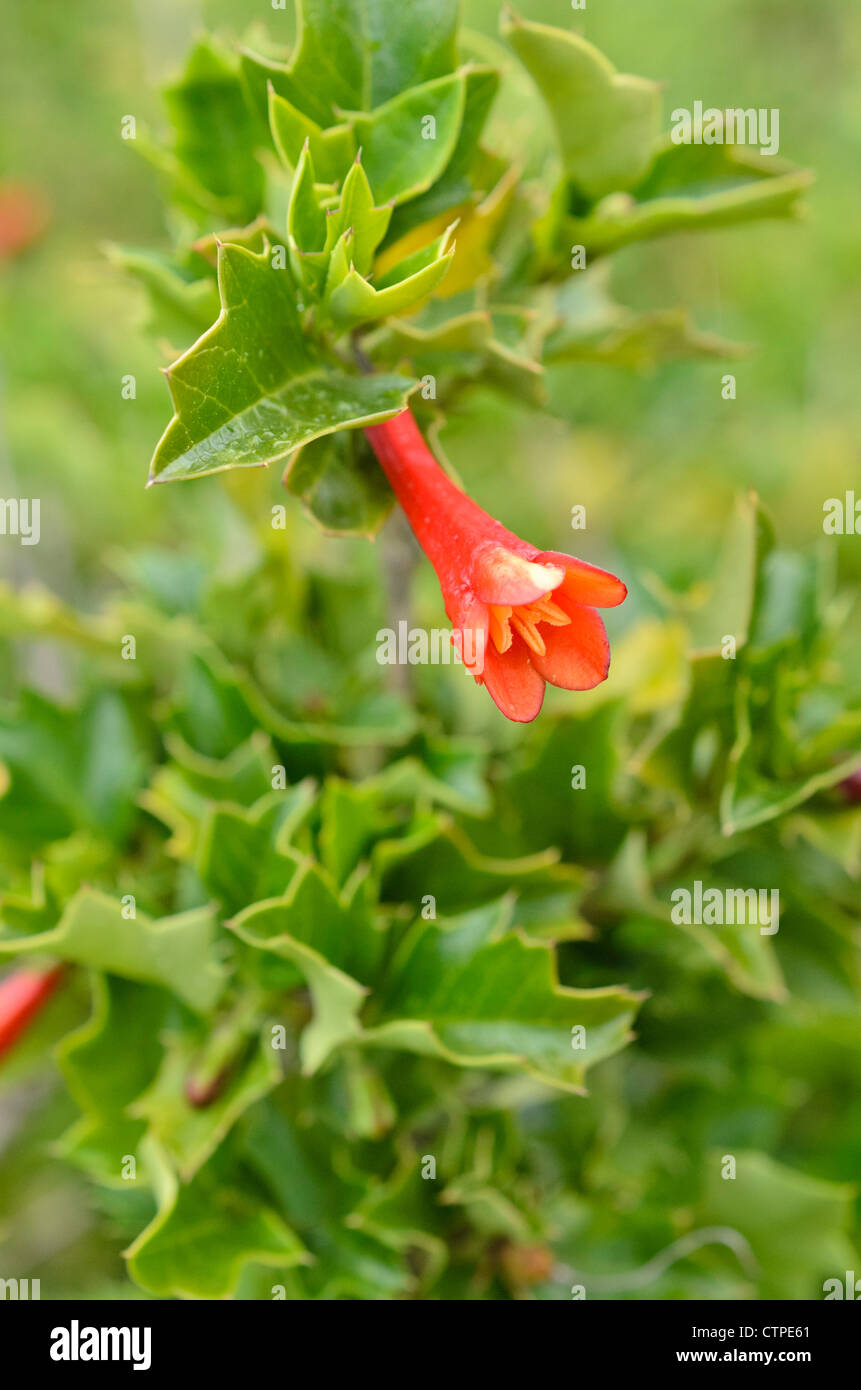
657 460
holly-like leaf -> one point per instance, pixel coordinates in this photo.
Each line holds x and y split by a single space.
644 341
306 220
332 149
464 346
106 1063
306 1169
405 1213
437 858
478 995
242 777
750 796
341 483
357 212
68 769
592 327
255 387
337 925
181 790
112 1057
94 930
235 705
598 827
244 855
407 143
205 1232
739 186
466 174
352 299
214 136
606 124
354 816
255 236
461 339
742 950
35 910
751 191
327 939
351 819
357 54
309 216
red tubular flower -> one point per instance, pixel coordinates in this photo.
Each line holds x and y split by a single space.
23 995
521 616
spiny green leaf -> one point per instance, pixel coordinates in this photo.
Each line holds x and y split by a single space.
354 816
236 705
254 387
437 858
263 74
109 1060
243 776
205 1232
214 132
747 956
463 346
353 300
584 821
69 769
33 911
365 1107
306 220
301 1163
478 995
254 236
335 924
402 152
306 1169
463 176
835 832
332 149
404 1211
336 1000
606 124
749 796
181 790
106 1063
356 210
101 1149
244 855
175 952
767 193
341 483
593 328
356 54
463 336
327 939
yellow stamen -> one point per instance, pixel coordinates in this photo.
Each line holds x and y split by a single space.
499 630
525 619
528 631
546 611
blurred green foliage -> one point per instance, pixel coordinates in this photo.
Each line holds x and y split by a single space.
255 648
